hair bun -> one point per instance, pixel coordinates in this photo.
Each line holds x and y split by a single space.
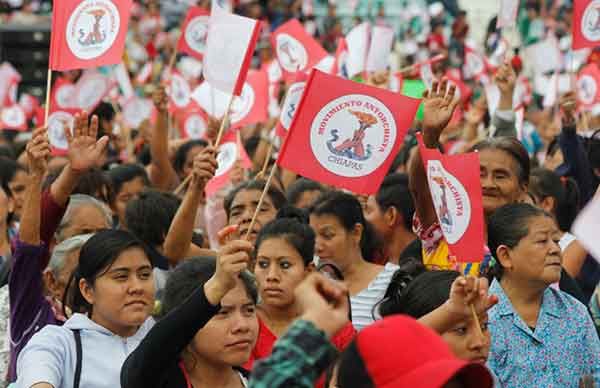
293 213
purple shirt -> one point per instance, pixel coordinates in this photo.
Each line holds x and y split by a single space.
29 309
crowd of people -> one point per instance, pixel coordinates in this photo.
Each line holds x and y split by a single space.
118 270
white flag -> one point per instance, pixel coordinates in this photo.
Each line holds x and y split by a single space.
586 226
357 42
507 14
229 47
382 39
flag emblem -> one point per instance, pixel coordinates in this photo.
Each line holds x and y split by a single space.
58 123
242 105
92 28
196 33
291 53
590 26
587 89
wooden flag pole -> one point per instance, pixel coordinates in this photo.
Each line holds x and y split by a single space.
47 107
265 166
476 319
260 201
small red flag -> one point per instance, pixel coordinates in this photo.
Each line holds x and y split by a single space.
59 121
193 32
13 117
586 24
193 122
588 86
88 33
290 104
456 193
90 89
346 134
231 151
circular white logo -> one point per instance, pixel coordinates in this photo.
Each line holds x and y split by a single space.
92 28
180 91
291 53
196 32
292 99
242 105
64 96
91 91
13 117
58 123
451 201
195 126
353 135
590 22
226 158
136 111
587 89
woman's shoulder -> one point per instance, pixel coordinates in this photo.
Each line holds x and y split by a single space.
563 304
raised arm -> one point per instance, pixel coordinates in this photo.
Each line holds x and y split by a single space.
438 109
504 118
180 233
162 174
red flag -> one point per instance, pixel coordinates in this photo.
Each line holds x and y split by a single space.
13 117
90 89
180 92
193 122
295 49
588 86
136 110
346 134
229 48
88 33
9 78
231 150
586 24
341 54
29 104
193 32
290 105
456 192
59 121
62 94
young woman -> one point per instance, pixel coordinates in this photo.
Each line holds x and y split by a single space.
208 326
111 292
284 257
344 237
128 180
428 291
542 336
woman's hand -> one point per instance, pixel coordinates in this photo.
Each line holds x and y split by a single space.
438 108
467 291
38 151
205 166
232 259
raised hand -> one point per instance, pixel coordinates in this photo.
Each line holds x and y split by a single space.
232 259
160 99
85 151
380 79
205 166
324 302
506 78
439 104
568 106
38 151
466 291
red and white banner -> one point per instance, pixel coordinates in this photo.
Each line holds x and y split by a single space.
231 151
9 78
455 189
229 48
588 86
346 134
88 33
475 66
63 93
29 104
341 55
507 14
90 89
357 42
382 39
59 121
13 117
194 32
179 91
586 24
250 107
136 110
295 49
290 105
193 122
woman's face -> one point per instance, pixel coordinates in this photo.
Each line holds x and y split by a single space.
279 269
123 296
333 241
17 187
307 199
537 257
242 210
85 219
129 191
229 337
499 181
189 160
467 343
6 205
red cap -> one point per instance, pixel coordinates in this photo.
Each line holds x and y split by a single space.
399 352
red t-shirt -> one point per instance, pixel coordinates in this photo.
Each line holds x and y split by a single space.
266 340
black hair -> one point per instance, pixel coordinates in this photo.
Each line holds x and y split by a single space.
149 216
299 187
95 258
95 183
144 155
417 296
124 173
190 275
6 151
291 225
182 153
8 170
508 225
104 111
277 197
352 371
545 183
394 192
346 208
512 147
